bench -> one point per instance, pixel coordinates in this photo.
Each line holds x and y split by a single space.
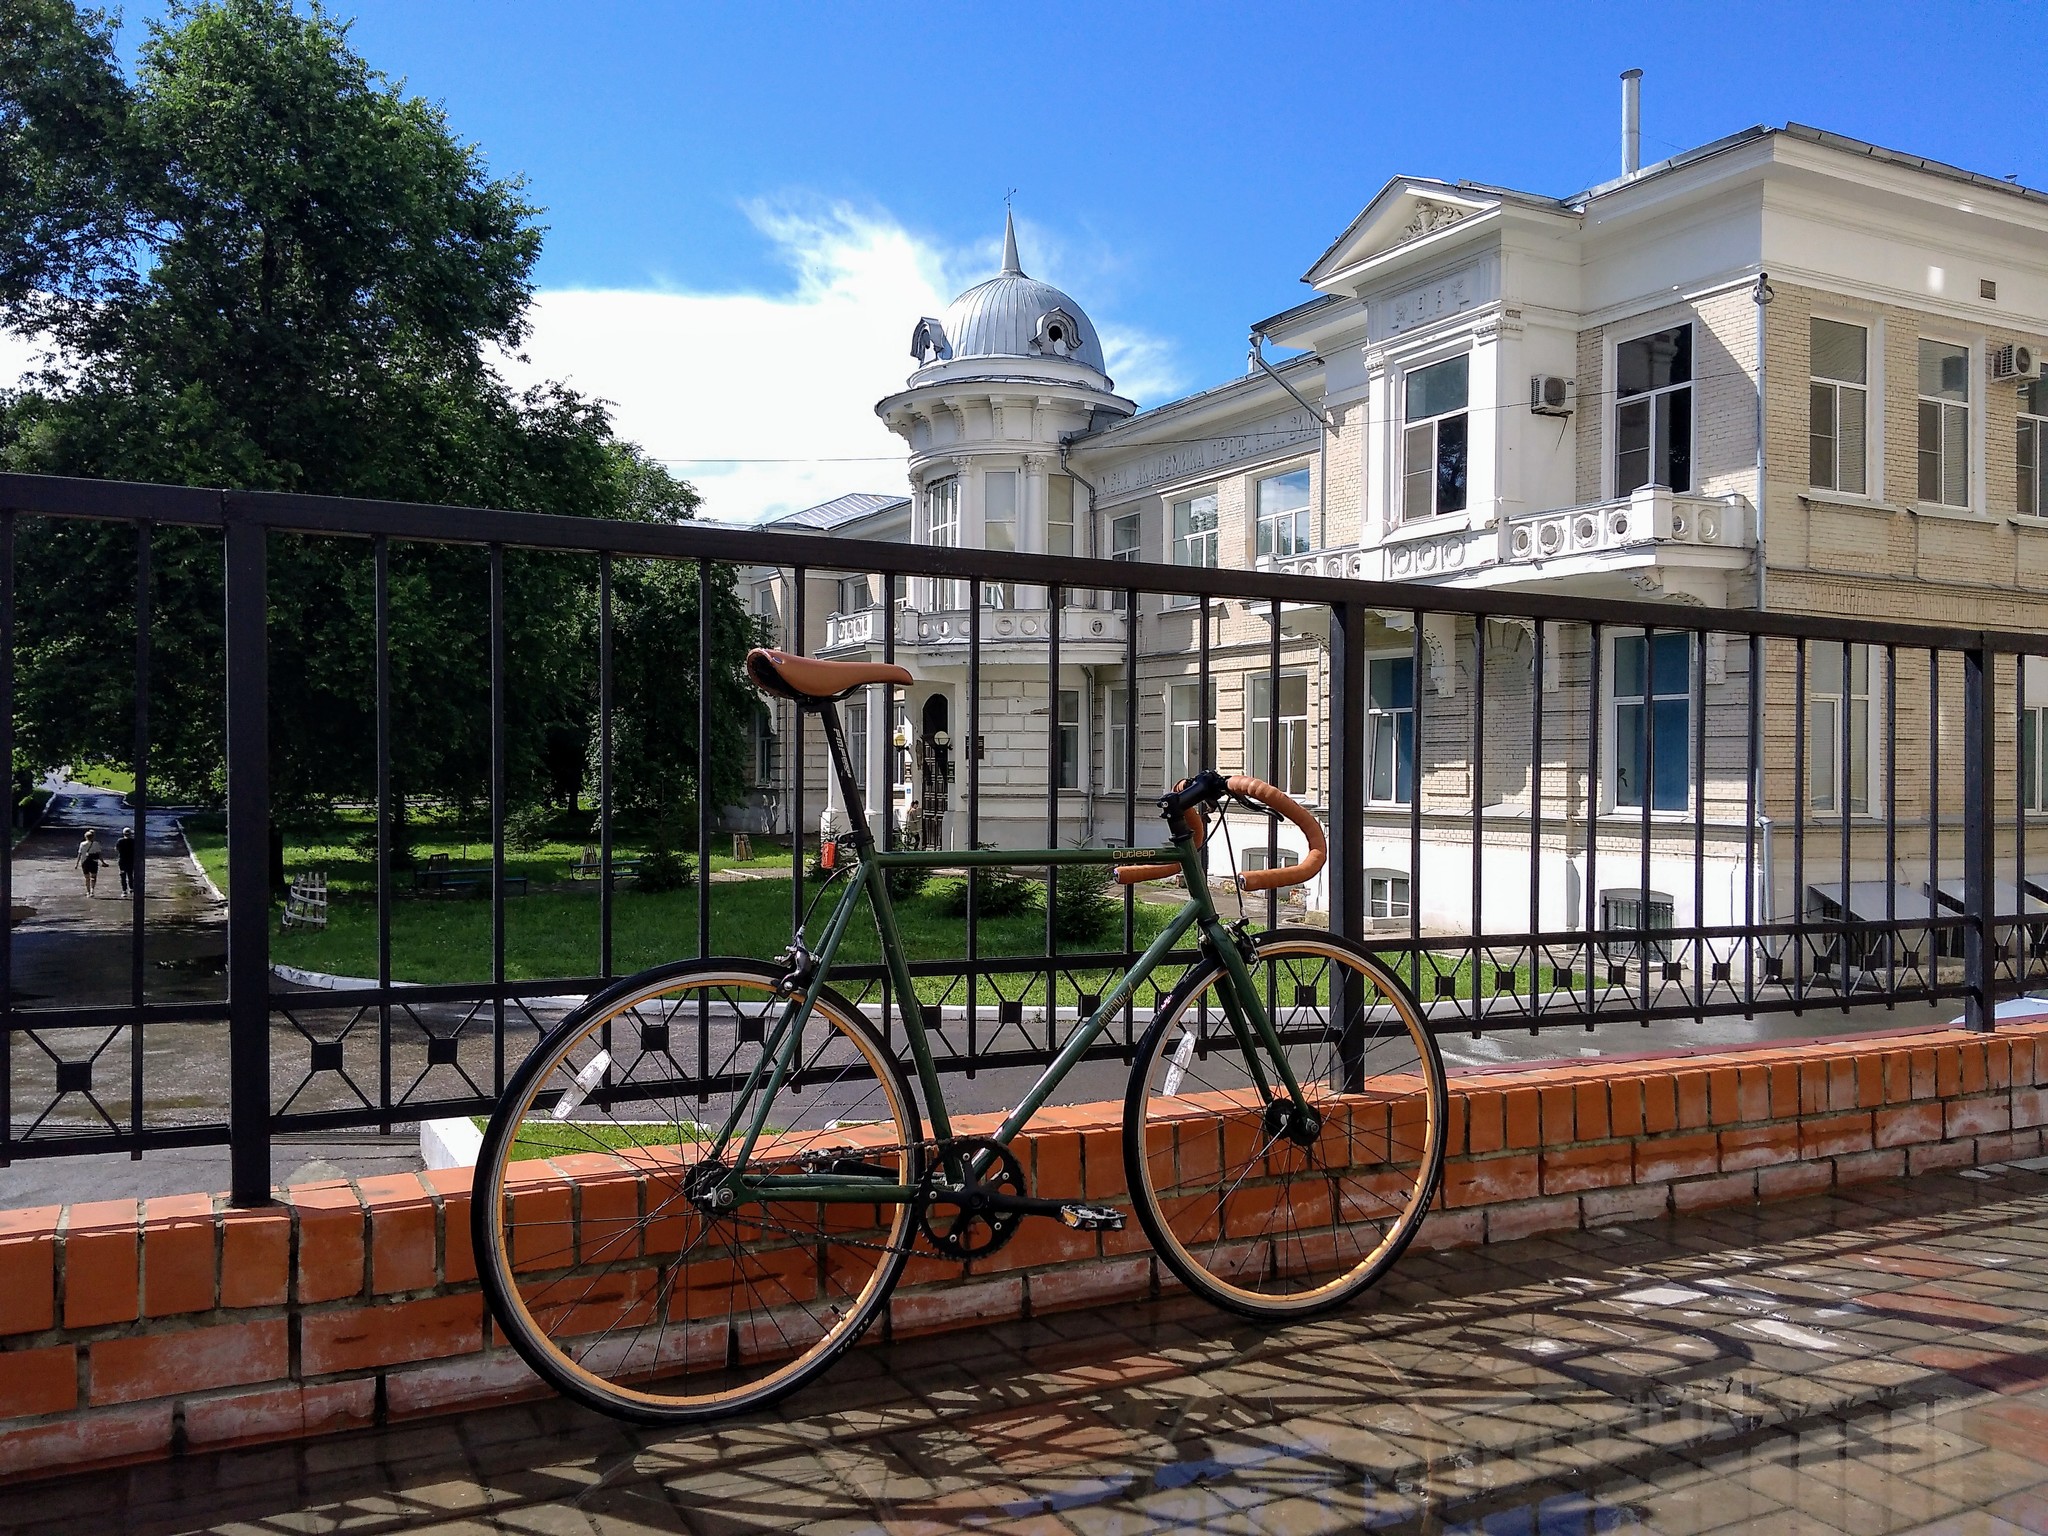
448 878
590 866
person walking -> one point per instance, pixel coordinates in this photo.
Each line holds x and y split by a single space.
89 857
124 859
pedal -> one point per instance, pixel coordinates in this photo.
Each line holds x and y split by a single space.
1092 1218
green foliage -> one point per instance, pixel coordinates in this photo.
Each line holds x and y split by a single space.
529 828
1084 910
907 884
662 868
999 892
265 266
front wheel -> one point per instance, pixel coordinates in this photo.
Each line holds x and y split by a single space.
1255 1205
613 1254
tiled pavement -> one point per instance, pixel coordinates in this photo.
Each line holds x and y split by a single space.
1872 1362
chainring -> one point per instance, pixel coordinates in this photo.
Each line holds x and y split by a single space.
957 1221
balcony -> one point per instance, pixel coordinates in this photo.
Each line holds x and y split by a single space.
1087 635
1649 541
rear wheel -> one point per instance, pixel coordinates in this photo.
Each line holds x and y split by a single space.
608 1260
1253 1205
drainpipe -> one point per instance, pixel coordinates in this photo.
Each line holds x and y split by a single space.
1258 359
1067 468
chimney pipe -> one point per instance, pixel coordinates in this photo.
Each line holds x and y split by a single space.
1631 121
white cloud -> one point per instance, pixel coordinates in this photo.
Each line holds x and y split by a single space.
700 379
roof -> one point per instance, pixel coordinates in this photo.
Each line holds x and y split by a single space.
839 511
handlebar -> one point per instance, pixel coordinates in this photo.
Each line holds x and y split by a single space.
1206 789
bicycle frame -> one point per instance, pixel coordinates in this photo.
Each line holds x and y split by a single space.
781 1047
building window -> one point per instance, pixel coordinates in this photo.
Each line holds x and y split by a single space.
1194 535
1115 744
942 531
1123 545
856 717
1386 894
999 530
1390 729
1944 424
2034 736
764 756
1653 720
1433 443
1059 515
1838 699
855 594
1838 406
1653 411
1190 732
1283 515
1070 738
1291 773
2033 456
1626 911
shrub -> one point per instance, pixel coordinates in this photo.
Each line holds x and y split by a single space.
905 884
662 868
999 892
1083 908
530 828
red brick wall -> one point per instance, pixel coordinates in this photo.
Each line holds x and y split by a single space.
131 1330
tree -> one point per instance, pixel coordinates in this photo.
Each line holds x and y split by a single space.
261 265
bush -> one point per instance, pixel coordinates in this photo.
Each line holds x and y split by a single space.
530 828
999 892
905 884
662 868
1083 906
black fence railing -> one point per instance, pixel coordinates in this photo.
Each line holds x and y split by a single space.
1549 811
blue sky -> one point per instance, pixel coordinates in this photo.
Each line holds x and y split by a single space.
748 200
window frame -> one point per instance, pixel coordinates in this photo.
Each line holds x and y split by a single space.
1070 742
1197 729
1301 517
1393 713
1404 900
1116 707
847 587
1612 468
1647 904
2032 424
1840 787
1434 425
1615 701
1060 488
1180 544
854 718
1971 416
1294 732
1817 382
2034 712
1129 554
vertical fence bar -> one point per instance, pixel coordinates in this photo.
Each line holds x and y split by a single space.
1273 770
1649 788
1536 825
1891 826
498 703
1348 790
1202 754
888 725
1700 964
7 843
380 578
1753 732
1052 814
604 765
1845 792
248 729
1799 826
1933 809
1130 892
1595 770
2023 931
797 642
136 911
973 749
704 757
1980 759
139 812
1417 693
1477 958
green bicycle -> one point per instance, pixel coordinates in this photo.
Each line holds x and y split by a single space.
701 1187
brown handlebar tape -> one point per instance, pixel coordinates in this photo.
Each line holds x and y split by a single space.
1249 788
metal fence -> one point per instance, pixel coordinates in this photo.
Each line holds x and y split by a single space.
1549 811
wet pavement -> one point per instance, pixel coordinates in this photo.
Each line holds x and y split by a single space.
1874 1362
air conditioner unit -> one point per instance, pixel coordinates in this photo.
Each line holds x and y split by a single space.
2015 361
1550 395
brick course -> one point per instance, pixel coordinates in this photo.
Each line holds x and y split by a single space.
126 1334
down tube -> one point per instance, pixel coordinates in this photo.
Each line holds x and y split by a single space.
1079 1042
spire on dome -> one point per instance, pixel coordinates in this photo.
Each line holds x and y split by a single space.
1010 265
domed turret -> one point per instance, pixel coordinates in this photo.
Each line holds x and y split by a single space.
1012 317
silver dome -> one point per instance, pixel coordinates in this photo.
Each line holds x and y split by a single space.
1012 315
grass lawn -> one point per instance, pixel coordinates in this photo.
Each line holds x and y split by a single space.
120 780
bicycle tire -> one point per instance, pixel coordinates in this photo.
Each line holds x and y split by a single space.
608 1279
1247 1216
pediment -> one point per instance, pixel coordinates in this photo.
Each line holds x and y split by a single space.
1406 210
